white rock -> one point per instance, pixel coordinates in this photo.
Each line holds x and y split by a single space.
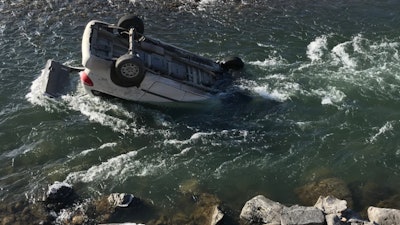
384 216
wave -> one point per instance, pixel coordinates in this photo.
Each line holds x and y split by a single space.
337 72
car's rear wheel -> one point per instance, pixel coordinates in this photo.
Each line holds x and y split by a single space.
129 71
131 21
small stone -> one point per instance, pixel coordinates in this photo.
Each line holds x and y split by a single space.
331 205
384 216
78 220
301 215
122 200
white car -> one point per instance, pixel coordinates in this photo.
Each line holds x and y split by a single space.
120 61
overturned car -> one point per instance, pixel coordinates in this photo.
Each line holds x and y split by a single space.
118 60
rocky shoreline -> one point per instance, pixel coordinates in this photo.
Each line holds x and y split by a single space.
62 205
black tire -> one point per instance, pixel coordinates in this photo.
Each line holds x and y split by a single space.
129 71
131 21
234 63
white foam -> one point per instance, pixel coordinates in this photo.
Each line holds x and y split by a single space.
183 152
388 126
118 169
20 150
194 138
110 168
108 145
56 186
36 95
97 110
203 4
281 92
330 95
275 94
103 146
316 49
268 62
303 125
341 56
85 152
198 135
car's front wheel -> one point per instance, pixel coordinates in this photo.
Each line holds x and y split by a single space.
129 71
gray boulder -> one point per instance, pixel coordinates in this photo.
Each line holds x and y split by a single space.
301 215
331 205
384 216
122 200
262 210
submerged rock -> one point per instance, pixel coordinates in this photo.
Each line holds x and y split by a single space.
336 187
201 209
23 212
190 186
372 193
384 216
391 202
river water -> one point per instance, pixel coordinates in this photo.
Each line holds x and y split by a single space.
323 79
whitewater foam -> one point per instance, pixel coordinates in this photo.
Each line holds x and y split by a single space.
317 48
87 151
36 95
387 127
106 113
329 96
268 62
112 168
341 56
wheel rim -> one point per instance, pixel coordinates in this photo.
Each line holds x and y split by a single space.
130 70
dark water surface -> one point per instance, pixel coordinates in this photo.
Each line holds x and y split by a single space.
324 79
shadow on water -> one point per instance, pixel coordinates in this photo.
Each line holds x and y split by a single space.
228 110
